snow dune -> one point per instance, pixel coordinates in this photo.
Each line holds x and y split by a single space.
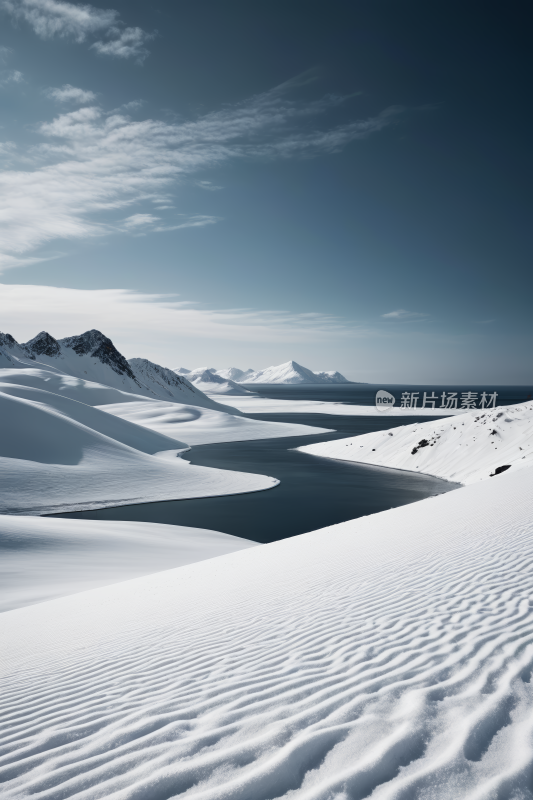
47 558
390 656
57 454
203 426
464 449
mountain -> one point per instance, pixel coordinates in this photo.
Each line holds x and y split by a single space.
235 374
209 381
93 357
332 377
293 373
166 385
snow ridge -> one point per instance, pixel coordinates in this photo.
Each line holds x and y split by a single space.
474 446
292 372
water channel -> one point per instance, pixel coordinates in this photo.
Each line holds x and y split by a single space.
313 493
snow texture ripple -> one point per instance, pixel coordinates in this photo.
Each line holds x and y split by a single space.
386 657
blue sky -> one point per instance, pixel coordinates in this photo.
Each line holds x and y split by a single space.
343 184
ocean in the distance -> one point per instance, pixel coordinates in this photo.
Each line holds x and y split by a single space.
364 394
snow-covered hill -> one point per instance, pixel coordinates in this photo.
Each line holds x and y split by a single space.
203 426
386 657
167 385
291 372
58 454
467 448
46 558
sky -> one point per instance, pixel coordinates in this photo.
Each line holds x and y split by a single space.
345 184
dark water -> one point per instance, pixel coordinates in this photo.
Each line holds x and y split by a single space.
364 394
314 492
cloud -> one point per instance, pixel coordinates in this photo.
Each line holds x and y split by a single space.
198 221
402 314
12 76
152 325
129 44
50 18
209 186
139 220
71 94
91 164
5 52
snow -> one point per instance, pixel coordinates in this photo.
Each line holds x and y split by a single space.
390 656
255 404
47 558
464 449
235 374
57 454
203 426
292 372
92 357
332 377
208 381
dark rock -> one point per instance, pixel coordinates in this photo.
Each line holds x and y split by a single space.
499 470
43 345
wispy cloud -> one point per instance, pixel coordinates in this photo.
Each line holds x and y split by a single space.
209 186
91 164
5 52
51 18
11 76
402 314
129 43
70 94
141 322
140 220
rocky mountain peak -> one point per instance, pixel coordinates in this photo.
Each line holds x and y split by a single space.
43 345
93 343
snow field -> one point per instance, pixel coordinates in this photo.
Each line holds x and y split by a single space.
464 449
57 454
47 558
389 656
203 426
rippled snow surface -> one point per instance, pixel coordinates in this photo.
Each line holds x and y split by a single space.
390 657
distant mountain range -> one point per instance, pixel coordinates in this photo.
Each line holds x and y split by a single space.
289 373
93 357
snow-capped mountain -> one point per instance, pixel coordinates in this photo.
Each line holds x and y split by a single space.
212 383
332 377
235 374
165 384
291 372
93 357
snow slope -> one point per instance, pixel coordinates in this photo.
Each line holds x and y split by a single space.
57 454
291 372
203 426
165 384
386 657
47 558
465 449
